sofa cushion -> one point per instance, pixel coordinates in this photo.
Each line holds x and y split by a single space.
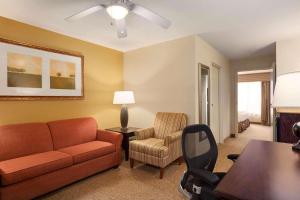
151 146
24 139
71 132
23 168
89 150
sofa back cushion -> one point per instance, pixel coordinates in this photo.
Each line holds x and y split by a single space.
166 123
24 139
71 132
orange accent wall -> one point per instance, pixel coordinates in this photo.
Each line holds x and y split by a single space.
103 74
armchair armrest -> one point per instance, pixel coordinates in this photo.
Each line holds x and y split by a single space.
144 133
172 138
233 157
206 176
109 136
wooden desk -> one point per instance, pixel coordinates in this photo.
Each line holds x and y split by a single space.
264 171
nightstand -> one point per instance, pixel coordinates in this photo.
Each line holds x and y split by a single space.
127 135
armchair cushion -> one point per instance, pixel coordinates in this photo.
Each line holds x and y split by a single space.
172 138
144 133
151 146
166 123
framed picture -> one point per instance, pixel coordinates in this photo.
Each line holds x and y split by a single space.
29 72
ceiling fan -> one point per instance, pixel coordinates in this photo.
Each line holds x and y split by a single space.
118 10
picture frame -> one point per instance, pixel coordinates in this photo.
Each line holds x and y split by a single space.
30 72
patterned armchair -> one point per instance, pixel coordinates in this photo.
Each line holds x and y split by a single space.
160 145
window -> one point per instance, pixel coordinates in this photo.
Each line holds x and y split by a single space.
249 99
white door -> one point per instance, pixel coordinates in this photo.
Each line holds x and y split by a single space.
214 103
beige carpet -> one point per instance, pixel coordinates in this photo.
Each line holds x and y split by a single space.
142 183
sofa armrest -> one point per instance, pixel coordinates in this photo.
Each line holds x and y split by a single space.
109 136
0 180
172 138
144 133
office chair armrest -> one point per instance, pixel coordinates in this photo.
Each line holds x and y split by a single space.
144 133
233 157
172 138
206 176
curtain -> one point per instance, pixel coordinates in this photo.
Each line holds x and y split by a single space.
265 103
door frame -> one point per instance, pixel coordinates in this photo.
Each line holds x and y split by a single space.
218 67
209 95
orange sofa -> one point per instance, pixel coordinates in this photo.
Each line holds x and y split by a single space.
37 158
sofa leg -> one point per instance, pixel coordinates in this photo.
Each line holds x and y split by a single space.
161 174
131 163
116 167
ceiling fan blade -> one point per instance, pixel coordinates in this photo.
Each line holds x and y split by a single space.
121 28
151 16
85 13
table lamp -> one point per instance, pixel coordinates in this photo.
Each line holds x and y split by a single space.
124 98
287 95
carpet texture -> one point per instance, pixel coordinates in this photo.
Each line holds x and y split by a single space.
142 182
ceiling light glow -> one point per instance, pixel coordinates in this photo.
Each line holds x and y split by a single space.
117 11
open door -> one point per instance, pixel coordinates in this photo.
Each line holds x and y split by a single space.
214 102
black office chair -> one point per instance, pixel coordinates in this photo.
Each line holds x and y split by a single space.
200 153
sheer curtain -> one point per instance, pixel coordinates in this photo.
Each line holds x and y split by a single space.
249 101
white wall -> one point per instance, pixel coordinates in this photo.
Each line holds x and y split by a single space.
207 55
287 56
248 64
162 78
254 63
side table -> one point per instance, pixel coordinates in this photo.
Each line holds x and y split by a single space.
126 137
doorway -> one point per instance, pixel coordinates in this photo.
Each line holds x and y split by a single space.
254 95
209 98
204 116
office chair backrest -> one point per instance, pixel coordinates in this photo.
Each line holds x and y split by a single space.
199 147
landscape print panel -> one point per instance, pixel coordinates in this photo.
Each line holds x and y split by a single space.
24 71
62 75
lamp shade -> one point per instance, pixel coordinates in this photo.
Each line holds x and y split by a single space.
123 97
287 91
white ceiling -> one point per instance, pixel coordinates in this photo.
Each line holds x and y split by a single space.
237 28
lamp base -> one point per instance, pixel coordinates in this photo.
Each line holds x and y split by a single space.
296 132
124 118
296 147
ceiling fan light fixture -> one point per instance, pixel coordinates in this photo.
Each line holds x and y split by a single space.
117 11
